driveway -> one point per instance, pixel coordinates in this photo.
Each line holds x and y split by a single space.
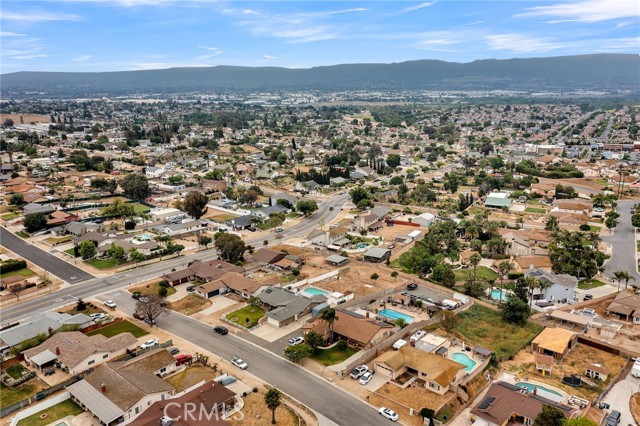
623 244
620 395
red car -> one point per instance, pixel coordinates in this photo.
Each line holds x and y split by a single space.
138 315
183 359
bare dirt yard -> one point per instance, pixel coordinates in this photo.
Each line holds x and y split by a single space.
256 413
191 304
635 406
189 377
414 396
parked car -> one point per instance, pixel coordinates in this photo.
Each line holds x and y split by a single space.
366 377
412 286
613 418
174 351
330 209
252 228
239 362
278 230
358 372
388 413
143 299
150 321
149 344
191 289
110 304
587 297
138 315
98 316
296 341
49 371
220 330
183 359
136 295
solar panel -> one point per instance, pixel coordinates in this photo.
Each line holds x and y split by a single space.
486 402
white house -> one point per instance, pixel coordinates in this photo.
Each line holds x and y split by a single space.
558 286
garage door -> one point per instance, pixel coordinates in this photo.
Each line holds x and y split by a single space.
382 369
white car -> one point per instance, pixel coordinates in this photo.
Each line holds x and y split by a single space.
388 413
110 304
97 316
238 362
296 341
366 377
149 344
358 372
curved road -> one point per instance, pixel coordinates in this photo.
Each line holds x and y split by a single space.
623 244
92 286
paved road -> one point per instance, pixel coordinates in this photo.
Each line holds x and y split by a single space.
623 243
46 261
96 286
312 391
619 397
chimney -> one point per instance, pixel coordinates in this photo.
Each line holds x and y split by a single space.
103 388
57 351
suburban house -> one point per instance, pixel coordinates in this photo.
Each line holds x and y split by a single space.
377 255
285 306
438 372
216 399
40 323
213 186
240 223
115 395
266 212
560 287
626 305
267 256
554 341
158 362
360 331
201 270
424 220
229 282
597 371
33 208
336 260
505 403
368 222
498 200
77 352
273 200
329 237
190 227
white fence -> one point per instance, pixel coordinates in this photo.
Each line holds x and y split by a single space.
239 212
317 279
40 407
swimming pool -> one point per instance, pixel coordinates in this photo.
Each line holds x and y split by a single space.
464 360
394 315
313 291
495 295
362 245
542 391
143 237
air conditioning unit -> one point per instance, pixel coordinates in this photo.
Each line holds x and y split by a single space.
165 421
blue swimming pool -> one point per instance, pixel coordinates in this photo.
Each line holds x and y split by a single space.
313 291
495 295
464 360
542 391
144 237
394 315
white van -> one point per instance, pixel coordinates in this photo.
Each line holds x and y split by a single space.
400 343
635 370
450 304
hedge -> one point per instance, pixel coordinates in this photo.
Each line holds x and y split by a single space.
12 265
515 275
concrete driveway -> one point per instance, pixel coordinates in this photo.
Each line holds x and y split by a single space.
620 395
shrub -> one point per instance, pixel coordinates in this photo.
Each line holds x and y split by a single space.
12 265
162 291
129 225
164 283
342 345
585 228
515 275
255 390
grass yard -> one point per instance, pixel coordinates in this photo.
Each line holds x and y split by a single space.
16 371
482 271
25 272
190 376
9 216
445 414
23 234
106 263
293 215
535 210
191 304
151 289
140 208
70 252
224 217
241 315
484 327
333 355
594 228
587 285
120 327
26 390
57 412
58 240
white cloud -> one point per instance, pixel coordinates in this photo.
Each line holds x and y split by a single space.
33 56
215 51
270 58
520 43
164 65
83 58
417 7
586 11
11 34
38 17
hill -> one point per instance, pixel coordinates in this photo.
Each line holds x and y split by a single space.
591 72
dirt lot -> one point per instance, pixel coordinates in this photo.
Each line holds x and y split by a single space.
414 396
191 304
635 406
26 118
256 413
574 363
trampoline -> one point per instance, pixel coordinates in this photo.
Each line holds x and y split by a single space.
574 381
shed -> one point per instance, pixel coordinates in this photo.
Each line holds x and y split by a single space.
377 255
336 260
498 200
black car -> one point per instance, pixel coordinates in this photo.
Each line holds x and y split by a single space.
587 297
412 286
174 351
220 330
136 295
613 418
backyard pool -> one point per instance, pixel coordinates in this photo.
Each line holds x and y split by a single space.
495 295
542 391
313 291
143 237
362 245
464 360
394 315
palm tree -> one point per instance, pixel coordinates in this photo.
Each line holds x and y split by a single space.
475 260
620 275
491 282
273 399
532 284
504 268
329 316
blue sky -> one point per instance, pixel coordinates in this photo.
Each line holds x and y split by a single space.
111 35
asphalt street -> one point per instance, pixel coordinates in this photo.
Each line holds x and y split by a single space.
91 286
313 391
623 243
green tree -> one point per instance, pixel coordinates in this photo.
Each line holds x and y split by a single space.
195 204
374 276
623 275
474 260
87 249
393 160
16 199
34 222
230 247
297 352
116 252
314 340
117 209
549 416
635 220
136 256
394 275
552 224
307 207
273 399
515 311
329 316
204 240
135 185
254 303
447 320
358 194
504 268
611 219
400 322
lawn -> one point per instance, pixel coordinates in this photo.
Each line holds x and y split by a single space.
151 289
190 376
241 315
482 271
58 240
22 234
106 263
483 326
333 355
57 412
140 208
445 414
9 216
26 390
293 215
191 304
70 252
535 210
120 327
16 371
224 217
25 272
587 285
594 228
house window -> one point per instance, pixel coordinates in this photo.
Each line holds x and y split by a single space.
528 422
137 410
93 361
